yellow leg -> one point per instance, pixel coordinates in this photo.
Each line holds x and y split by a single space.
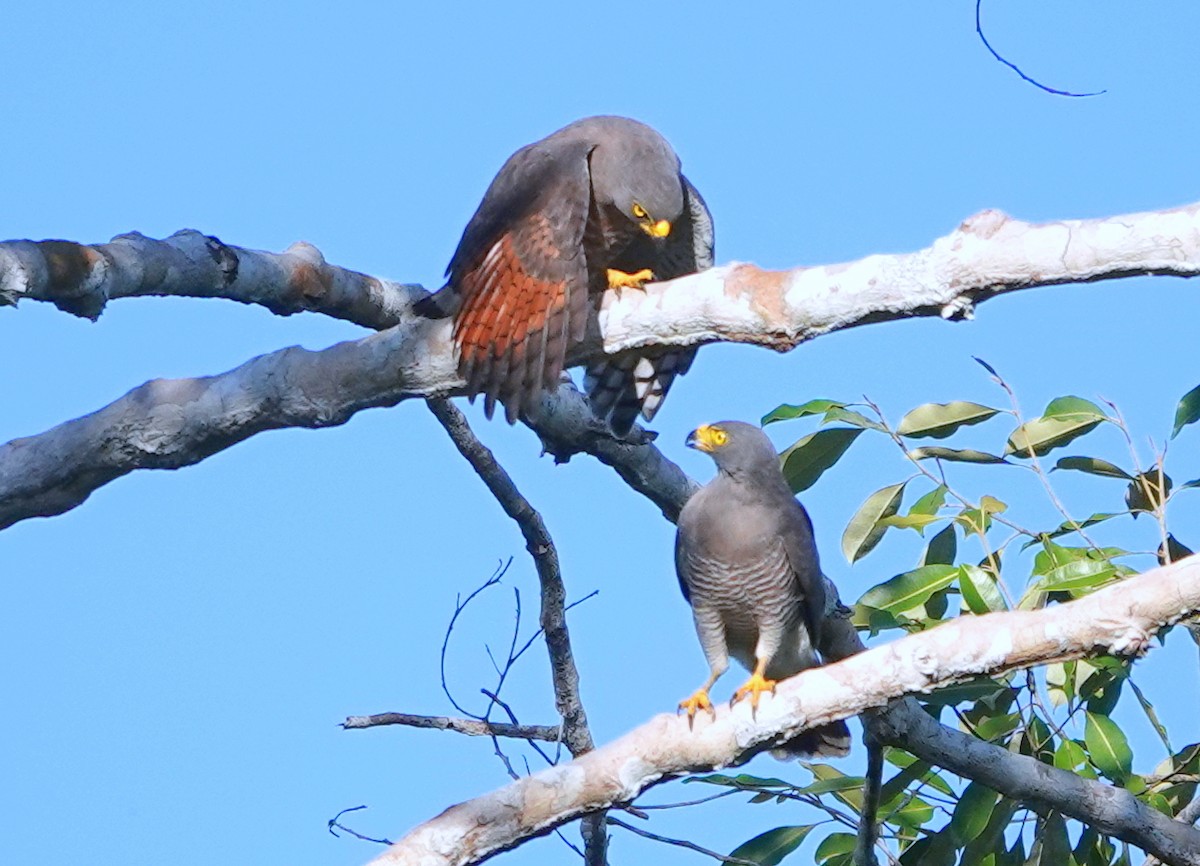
755 686
699 700
620 280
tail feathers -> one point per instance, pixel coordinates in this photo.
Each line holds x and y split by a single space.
827 741
621 387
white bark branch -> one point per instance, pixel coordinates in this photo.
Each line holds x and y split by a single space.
169 424
1120 619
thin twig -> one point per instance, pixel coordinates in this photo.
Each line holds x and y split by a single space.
459 606
683 803
335 823
470 727
682 843
1015 68
575 732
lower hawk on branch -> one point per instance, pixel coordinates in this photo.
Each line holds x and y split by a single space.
747 564
598 205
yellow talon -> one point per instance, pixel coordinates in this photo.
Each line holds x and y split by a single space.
755 686
698 701
620 280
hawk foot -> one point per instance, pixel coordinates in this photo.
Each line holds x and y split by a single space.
698 701
755 686
620 280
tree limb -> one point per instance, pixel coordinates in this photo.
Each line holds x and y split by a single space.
167 424
575 732
470 727
1119 619
81 279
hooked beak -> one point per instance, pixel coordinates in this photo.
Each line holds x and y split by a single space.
701 439
660 229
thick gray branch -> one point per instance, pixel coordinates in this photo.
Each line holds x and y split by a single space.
82 279
1119 619
167 425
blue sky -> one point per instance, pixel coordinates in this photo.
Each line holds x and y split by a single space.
177 652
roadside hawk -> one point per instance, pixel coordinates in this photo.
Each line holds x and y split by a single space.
598 205
747 564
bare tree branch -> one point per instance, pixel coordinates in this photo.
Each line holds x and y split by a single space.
565 675
681 843
82 279
470 727
167 424
1119 619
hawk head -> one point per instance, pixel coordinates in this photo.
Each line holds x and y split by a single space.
737 448
634 170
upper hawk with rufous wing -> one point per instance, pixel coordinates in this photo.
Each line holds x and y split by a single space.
599 205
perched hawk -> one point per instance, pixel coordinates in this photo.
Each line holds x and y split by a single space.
748 566
598 205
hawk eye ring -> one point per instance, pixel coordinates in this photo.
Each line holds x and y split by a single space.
639 211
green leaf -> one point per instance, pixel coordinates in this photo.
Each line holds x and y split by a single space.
1081 574
1148 491
942 548
972 812
1151 715
1053 846
850 795
1188 410
806 461
832 785
1069 526
1073 407
1107 747
787 411
912 812
904 761
1038 437
1069 755
1092 466
854 419
936 849
893 789
939 420
834 844
979 520
1176 550
768 848
994 728
743 781
1039 739
906 591
975 690
910 521
979 590
865 528
931 502
954 455
1065 420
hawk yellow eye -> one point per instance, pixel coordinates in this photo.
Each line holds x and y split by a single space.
639 211
717 436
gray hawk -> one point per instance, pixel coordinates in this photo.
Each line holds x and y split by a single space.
598 205
747 564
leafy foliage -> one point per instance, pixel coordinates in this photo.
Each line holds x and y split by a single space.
978 557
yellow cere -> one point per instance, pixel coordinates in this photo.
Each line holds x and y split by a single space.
660 229
707 437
